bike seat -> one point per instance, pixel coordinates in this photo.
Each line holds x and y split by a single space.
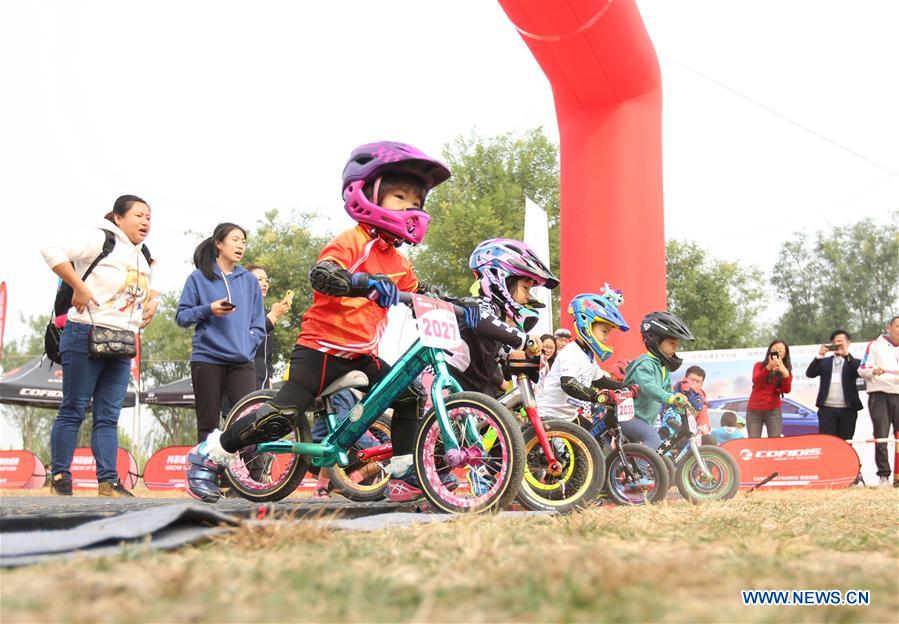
353 379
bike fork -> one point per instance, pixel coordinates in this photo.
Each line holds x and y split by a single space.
694 448
530 409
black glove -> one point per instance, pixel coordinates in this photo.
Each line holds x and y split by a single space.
430 290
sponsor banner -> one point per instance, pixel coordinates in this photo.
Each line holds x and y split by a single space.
84 469
728 384
806 461
21 470
167 469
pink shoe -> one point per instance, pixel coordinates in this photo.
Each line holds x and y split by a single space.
404 489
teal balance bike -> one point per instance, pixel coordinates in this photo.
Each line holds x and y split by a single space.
467 434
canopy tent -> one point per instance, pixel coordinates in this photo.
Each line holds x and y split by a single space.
176 394
38 383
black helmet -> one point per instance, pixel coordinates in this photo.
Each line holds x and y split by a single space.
655 327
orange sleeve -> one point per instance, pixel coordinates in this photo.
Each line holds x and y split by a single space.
409 281
343 249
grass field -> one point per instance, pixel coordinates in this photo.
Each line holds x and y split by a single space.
672 562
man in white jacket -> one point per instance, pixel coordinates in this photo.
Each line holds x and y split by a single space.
880 370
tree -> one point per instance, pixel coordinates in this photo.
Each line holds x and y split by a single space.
718 300
485 199
841 278
287 250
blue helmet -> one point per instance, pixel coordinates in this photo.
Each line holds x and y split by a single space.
588 308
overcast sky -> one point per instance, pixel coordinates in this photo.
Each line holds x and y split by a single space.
778 115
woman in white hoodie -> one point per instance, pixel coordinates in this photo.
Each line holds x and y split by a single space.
115 295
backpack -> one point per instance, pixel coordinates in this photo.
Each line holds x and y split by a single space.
63 300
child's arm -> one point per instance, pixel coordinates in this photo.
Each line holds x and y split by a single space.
643 375
329 278
480 319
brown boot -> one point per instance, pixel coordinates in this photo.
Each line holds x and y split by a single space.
114 488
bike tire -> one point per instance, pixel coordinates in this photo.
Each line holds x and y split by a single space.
505 458
724 469
370 488
584 471
672 470
649 462
289 468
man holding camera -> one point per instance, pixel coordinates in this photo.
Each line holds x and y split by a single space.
838 403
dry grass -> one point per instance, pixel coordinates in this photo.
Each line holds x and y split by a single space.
669 563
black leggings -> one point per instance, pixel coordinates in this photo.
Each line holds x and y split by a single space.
312 371
215 384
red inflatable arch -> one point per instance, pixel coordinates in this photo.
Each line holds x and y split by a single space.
607 89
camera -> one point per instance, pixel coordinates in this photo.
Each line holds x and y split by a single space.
831 347
774 355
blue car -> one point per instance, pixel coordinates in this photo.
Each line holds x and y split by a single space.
797 418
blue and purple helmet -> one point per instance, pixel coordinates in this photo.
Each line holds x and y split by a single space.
368 163
588 308
496 262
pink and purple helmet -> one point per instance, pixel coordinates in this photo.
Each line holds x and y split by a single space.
368 163
496 261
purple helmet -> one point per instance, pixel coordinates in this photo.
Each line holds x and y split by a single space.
368 163
496 260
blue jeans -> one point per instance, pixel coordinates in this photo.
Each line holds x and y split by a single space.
637 430
103 381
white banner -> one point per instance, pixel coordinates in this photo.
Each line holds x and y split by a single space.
536 236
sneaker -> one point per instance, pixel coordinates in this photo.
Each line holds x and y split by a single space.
203 475
61 485
404 489
885 482
114 489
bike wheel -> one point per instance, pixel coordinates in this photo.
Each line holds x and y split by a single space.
672 469
363 481
265 476
583 469
492 471
721 484
647 481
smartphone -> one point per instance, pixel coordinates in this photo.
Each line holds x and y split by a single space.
228 305
288 297
831 347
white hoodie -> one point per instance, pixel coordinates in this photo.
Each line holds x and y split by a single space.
881 353
120 282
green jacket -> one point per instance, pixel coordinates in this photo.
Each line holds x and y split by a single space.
654 380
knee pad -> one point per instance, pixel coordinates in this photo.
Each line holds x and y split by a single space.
270 423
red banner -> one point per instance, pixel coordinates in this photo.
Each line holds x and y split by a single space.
2 315
84 469
167 469
21 470
806 462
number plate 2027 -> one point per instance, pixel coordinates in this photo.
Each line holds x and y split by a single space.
437 324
